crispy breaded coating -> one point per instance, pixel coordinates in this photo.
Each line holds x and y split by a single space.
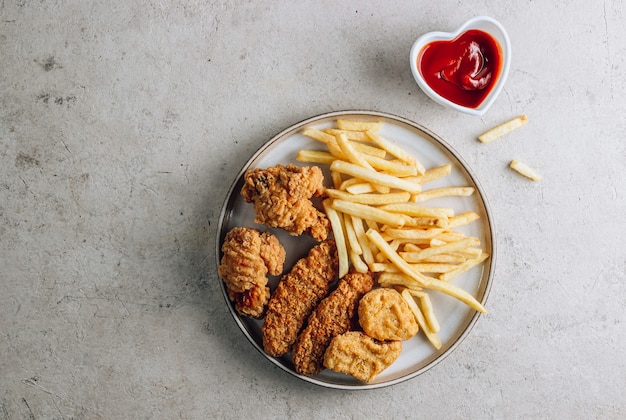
248 256
298 293
385 315
357 354
334 315
282 199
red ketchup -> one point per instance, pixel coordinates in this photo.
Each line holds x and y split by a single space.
462 70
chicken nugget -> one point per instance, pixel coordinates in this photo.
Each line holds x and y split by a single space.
357 354
385 315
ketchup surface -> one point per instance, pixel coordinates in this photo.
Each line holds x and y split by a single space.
462 70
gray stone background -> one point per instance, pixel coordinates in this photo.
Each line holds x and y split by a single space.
123 123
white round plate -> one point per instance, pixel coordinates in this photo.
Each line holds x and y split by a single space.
456 319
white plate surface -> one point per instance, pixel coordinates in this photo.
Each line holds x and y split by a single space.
456 318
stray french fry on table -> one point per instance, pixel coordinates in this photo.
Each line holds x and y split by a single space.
525 170
503 129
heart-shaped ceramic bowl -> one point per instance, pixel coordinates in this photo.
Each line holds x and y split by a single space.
482 23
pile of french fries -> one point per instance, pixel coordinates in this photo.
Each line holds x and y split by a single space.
381 223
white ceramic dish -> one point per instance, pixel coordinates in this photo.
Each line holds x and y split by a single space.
456 318
483 23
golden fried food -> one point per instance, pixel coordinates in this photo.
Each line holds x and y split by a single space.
248 256
335 315
377 186
298 293
282 199
385 315
357 354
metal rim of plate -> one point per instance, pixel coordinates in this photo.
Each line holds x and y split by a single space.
226 213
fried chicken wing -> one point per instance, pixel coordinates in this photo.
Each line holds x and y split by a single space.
282 198
357 354
296 296
385 315
248 256
335 315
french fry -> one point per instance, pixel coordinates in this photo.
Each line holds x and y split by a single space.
419 317
353 241
358 186
335 150
383 189
353 125
463 267
456 292
392 148
351 154
393 256
444 259
368 212
391 167
468 253
357 225
380 257
318 135
525 170
396 244
337 180
314 156
357 262
383 267
374 177
350 134
433 268
396 151
413 233
429 313
366 149
326 139
433 174
441 249
389 279
442 192
450 236
416 244
351 181
369 151
361 188
371 225
462 219
453 257
371 199
503 129
338 232
436 242
414 210
426 222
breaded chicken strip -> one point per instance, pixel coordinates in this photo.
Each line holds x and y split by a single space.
282 199
248 256
335 315
296 296
356 353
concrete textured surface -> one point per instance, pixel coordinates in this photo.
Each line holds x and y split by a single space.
123 123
